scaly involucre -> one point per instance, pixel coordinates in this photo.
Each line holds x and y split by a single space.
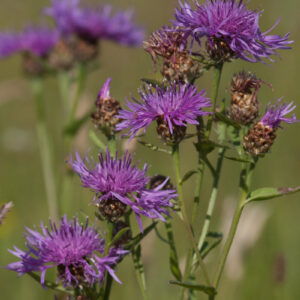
75 249
232 22
117 178
177 104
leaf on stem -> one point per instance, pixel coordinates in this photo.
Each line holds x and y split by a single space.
238 159
206 146
72 129
140 236
223 118
153 147
118 235
96 140
187 176
153 82
209 290
269 193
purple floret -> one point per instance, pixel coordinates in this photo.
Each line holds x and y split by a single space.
72 247
117 178
232 22
96 23
178 105
275 114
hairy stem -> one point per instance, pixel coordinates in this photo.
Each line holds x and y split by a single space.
45 147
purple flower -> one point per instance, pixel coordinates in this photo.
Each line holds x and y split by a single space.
276 114
177 105
96 23
229 24
35 40
9 44
38 40
118 180
76 250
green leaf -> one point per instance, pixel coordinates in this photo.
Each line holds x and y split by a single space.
238 159
174 265
209 290
140 236
154 147
119 235
206 146
74 127
269 193
96 140
187 175
153 82
223 118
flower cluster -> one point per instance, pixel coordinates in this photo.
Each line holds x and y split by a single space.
231 29
76 250
118 183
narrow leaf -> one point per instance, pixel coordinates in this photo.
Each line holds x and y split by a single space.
223 118
209 290
139 269
140 236
187 175
95 139
119 235
174 265
269 193
238 159
74 127
153 82
154 147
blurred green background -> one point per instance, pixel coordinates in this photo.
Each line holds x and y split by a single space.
265 257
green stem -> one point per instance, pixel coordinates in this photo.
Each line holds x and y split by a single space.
81 75
112 146
214 96
175 154
212 200
245 181
45 147
64 83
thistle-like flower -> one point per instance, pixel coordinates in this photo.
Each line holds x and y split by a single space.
119 184
34 43
172 107
231 30
76 250
261 136
89 25
170 45
106 110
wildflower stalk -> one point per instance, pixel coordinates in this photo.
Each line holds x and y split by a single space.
216 84
245 181
175 154
64 88
45 147
212 201
112 146
81 76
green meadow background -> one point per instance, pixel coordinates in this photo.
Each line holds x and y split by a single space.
265 260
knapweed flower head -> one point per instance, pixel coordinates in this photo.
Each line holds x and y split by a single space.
95 23
34 40
262 135
119 184
106 110
75 249
172 107
232 30
244 107
170 44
